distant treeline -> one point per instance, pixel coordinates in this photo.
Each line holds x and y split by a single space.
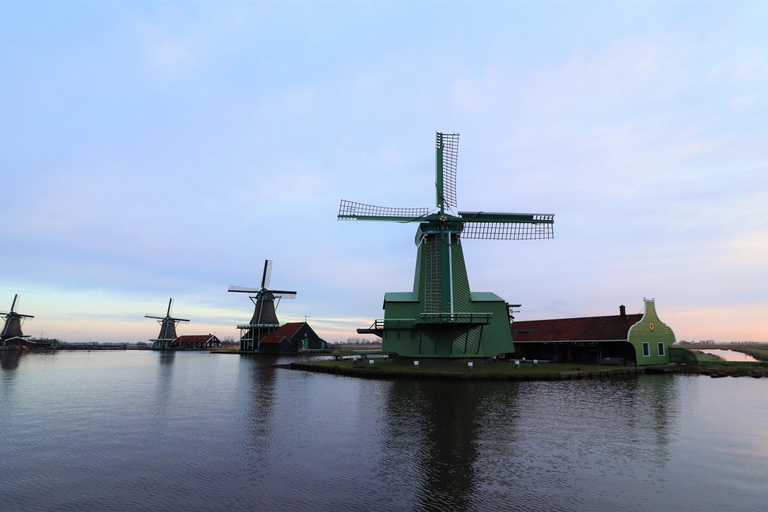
92 345
713 342
361 341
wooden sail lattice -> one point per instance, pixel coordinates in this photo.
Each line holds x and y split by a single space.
450 145
350 210
508 230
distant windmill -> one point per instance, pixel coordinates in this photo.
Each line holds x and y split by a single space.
167 328
13 322
442 317
264 319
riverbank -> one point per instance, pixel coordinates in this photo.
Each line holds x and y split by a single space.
703 357
303 352
725 369
386 369
761 354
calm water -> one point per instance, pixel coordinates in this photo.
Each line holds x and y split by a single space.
196 431
729 355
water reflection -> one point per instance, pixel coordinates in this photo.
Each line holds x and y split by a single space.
432 435
584 438
487 444
661 394
164 392
260 406
9 359
9 362
730 355
167 357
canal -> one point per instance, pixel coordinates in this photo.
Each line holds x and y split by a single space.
196 431
729 355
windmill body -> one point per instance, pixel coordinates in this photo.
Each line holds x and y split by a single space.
12 325
442 317
167 329
265 301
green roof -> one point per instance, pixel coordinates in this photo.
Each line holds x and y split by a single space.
485 297
400 297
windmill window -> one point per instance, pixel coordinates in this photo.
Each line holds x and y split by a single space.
646 349
661 348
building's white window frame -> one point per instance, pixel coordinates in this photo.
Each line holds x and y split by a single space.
646 349
662 349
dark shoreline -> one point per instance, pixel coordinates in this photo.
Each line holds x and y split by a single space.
714 370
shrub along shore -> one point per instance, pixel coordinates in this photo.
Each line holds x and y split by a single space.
501 370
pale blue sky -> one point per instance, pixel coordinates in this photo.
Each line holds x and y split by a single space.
151 150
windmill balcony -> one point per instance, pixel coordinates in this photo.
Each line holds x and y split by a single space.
456 318
257 326
394 324
405 324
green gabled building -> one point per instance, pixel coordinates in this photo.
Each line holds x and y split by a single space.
407 331
635 339
651 338
442 317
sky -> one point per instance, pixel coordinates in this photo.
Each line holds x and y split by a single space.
165 149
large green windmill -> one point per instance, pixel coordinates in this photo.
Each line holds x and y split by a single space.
441 317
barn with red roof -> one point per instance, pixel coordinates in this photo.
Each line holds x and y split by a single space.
636 339
292 337
195 342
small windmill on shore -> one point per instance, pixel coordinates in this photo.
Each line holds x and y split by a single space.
13 323
442 318
264 319
167 328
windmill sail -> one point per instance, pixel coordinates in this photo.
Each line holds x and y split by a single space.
507 226
349 210
243 289
283 294
266 277
446 163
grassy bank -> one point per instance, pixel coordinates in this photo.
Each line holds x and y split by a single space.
501 370
707 358
387 369
725 369
495 367
761 354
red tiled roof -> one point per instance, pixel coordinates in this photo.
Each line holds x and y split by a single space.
270 339
576 329
194 338
287 330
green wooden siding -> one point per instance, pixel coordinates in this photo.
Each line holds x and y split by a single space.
651 330
418 338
